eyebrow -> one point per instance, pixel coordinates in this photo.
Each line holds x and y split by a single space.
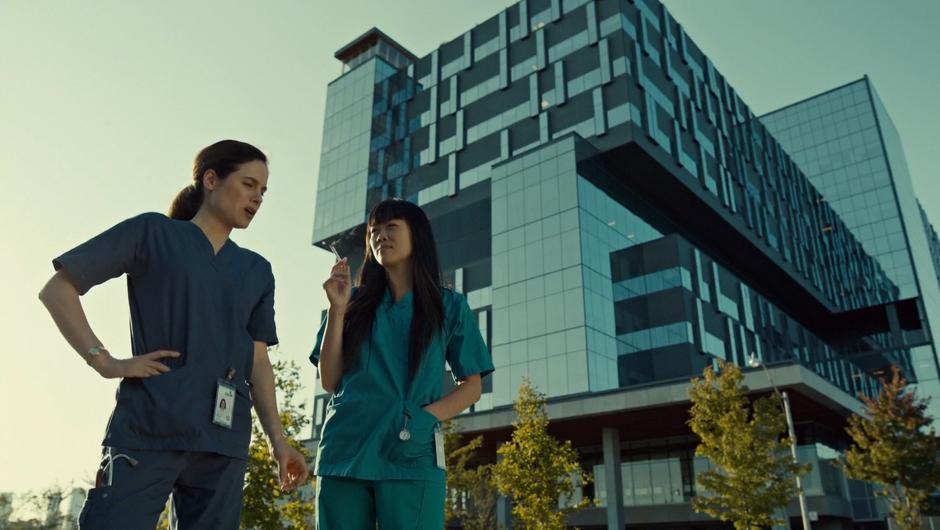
253 179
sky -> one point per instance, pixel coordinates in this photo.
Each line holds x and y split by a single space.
104 105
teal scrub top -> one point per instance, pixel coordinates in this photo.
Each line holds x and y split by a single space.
360 435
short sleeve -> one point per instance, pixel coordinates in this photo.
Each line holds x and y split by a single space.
261 325
315 354
110 254
467 353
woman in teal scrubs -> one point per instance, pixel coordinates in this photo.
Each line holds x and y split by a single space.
381 353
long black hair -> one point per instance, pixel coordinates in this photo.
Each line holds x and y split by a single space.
428 316
223 157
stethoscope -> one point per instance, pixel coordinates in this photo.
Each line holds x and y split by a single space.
405 434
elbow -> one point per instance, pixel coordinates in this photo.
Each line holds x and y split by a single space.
477 392
57 287
474 388
45 294
328 384
330 369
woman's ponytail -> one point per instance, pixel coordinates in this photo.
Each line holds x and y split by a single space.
187 202
223 157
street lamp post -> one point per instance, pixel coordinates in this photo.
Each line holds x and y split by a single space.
754 362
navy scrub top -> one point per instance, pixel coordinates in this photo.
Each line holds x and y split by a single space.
183 297
366 414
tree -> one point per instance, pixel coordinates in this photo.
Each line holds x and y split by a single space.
163 523
537 470
46 506
266 506
893 447
6 508
470 491
752 474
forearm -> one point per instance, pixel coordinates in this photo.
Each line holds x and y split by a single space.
467 393
331 351
263 394
62 301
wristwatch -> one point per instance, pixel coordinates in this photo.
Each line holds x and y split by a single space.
94 352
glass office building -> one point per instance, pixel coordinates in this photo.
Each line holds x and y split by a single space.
619 220
848 146
933 240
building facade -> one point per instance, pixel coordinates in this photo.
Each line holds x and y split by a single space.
933 240
619 220
848 146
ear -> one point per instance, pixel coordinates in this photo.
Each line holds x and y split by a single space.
210 179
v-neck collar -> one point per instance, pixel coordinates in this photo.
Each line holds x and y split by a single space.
389 300
213 255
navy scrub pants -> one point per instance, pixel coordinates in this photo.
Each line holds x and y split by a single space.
206 487
353 504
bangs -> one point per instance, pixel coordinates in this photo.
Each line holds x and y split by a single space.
389 209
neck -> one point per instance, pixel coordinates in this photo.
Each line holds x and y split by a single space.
215 230
400 280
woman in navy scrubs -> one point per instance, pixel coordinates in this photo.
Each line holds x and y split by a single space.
381 353
202 316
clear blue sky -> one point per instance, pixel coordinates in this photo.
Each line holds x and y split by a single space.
104 105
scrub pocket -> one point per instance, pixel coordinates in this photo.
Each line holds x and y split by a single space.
343 427
97 507
418 451
162 407
141 482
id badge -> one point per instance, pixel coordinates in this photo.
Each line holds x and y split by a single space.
224 409
439 448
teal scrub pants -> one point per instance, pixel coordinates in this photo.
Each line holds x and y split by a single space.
353 504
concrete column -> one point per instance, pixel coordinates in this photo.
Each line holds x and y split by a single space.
503 513
613 479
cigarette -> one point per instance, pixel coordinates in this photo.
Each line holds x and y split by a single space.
335 253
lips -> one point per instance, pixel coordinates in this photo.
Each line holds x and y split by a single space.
250 212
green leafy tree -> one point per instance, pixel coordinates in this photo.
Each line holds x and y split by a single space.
266 505
752 473
536 469
892 446
6 508
470 492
